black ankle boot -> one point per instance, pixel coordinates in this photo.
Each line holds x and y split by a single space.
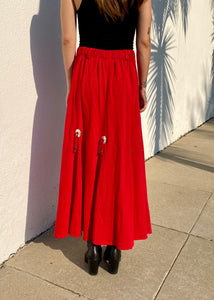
112 256
93 257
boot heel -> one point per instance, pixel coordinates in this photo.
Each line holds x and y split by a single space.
113 266
93 266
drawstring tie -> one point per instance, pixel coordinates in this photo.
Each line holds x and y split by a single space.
77 134
101 144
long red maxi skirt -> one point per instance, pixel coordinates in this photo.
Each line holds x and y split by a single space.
102 189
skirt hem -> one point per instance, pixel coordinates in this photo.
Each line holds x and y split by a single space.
119 246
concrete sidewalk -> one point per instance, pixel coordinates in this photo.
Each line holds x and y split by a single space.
175 262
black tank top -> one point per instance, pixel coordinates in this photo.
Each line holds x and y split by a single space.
96 32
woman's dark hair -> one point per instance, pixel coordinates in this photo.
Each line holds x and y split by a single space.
116 8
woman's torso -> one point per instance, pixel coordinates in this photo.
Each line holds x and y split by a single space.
96 32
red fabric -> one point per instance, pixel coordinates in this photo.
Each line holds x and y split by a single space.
102 189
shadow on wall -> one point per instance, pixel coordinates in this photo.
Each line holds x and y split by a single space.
48 123
162 76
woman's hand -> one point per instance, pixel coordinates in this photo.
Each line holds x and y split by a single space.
142 99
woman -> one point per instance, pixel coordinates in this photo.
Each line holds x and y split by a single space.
102 189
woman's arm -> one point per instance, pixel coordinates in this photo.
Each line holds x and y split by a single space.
143 46
68 30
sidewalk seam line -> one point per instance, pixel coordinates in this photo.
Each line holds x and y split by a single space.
201 212
46 280
172 265
185 232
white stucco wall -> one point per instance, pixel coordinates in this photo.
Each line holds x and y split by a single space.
32 107
192 86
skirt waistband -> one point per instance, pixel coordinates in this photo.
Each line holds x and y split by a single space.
103 53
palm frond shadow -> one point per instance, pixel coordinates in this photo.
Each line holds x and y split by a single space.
162 76
160 88
185 6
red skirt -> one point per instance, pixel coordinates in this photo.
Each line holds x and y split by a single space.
102 188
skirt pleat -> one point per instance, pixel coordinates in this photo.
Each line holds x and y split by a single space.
102 188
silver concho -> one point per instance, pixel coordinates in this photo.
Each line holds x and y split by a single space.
78 131
104 139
